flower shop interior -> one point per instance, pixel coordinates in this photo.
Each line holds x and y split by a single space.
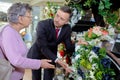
95 21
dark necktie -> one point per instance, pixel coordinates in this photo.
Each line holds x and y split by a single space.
57 30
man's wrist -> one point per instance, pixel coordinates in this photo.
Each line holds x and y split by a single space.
56 60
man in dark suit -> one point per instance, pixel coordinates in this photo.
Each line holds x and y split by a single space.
46 43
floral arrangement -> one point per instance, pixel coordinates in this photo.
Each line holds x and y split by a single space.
62 54
104 8
94 36
90 62
95 32
50 10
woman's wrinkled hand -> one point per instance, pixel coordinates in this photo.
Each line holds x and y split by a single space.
46 64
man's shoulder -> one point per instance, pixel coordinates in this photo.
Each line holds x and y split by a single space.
67 26
46 21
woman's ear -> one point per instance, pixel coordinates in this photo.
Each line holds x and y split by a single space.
20 19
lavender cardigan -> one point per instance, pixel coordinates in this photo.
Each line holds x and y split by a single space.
16 52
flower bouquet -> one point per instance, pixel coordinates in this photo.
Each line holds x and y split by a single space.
90 61
63 54
95 32
96 35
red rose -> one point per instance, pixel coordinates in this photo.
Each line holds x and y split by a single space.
51 14
62 53
104 32
68 60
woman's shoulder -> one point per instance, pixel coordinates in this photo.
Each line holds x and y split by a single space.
8 30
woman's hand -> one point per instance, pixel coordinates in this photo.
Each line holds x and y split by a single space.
46 64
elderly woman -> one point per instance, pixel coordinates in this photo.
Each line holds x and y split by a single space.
19 17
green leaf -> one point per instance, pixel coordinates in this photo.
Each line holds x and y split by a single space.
101 6
107 4
102 52
99 75
94 36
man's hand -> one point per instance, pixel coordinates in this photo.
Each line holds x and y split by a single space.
61 63
68 70
65 66
46 64
80 41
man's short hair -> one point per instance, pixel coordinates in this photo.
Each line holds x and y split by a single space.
67 9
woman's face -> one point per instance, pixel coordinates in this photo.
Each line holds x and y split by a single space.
26 20
61 18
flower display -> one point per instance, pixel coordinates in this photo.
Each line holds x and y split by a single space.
50 10
90 62
62 54
61 50
95 32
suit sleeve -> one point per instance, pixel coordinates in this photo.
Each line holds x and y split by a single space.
70 47
42 42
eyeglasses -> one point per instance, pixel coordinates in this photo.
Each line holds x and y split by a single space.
28 16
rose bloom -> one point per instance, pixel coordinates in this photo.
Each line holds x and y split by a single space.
97 30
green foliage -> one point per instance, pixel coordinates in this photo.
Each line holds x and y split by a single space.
93 36
51 9
102 52
89 3
103 8
75 5
87 64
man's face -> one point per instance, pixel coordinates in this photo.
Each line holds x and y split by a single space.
61 18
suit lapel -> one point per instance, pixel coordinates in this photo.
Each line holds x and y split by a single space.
61 34
53 32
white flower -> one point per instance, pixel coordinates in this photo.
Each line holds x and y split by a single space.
92 55
94 66
92 75
73 60
59 56
79 78
77 47
94 42
77 57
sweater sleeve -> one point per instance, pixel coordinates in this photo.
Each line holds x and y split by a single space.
16 51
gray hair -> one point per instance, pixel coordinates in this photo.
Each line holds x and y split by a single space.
16 10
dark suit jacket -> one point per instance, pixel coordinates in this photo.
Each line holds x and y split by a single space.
46 43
